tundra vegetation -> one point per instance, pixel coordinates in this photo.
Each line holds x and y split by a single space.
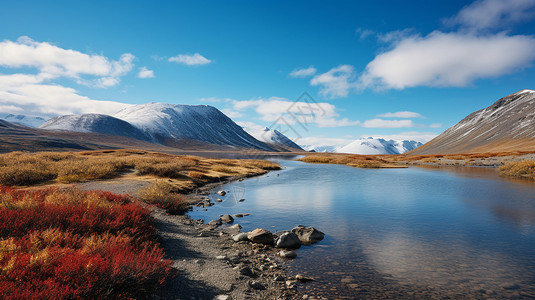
26 169
525 169
57 241
70 244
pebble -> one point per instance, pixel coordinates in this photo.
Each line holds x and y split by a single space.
222 297
221 257
256 285
287 254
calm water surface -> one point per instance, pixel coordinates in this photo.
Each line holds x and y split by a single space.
397 232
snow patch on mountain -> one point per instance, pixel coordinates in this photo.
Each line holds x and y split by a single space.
204 123
269 136
28 121
378 146
95 123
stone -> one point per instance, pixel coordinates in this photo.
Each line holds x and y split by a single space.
288 240
219 200
260 236
216 222
241 200
287 254
308 235
223 297
240 237
278 278
227 218
221 257
256 285
302 278
246 271
221 193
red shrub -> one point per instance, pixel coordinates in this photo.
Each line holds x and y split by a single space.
96 245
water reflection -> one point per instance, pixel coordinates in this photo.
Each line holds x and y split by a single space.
459 233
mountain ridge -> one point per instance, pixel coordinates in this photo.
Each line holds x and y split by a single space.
506 125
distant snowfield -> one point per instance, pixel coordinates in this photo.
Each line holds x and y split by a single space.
29 121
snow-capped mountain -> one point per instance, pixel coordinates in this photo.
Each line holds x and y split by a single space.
95 123
378 146
29 121
164 122
320 148
506 125
269 136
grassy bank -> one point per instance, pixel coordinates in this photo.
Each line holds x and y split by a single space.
70 244
187 172
352 160
525 169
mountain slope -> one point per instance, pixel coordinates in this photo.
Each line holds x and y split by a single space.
270 136
166 123
378 146
23 120
21 138
506 125
95 123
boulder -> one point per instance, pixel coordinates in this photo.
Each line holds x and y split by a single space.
216 222
227 218
260 236
308 235
288 240
221 193
240 237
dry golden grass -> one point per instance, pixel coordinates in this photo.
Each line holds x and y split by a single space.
165 195
525 168
26 169
358 161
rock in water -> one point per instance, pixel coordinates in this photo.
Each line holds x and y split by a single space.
221 193
227 218
308 235
216 222
287 254
260 236
240 237
288 240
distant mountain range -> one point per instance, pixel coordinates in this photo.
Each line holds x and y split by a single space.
175 126
379 146
506 125
272 137
30 121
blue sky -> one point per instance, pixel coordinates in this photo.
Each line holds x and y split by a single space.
429 63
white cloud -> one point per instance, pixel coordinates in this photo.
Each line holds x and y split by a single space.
422 137
303 72
53 61
442 59
145 73
31 94
277 109
231 113
447 59
190 59
435 125
337 82
37 94
401 114
364 33
380 123
488 14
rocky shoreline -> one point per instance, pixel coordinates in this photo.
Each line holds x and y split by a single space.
212 263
